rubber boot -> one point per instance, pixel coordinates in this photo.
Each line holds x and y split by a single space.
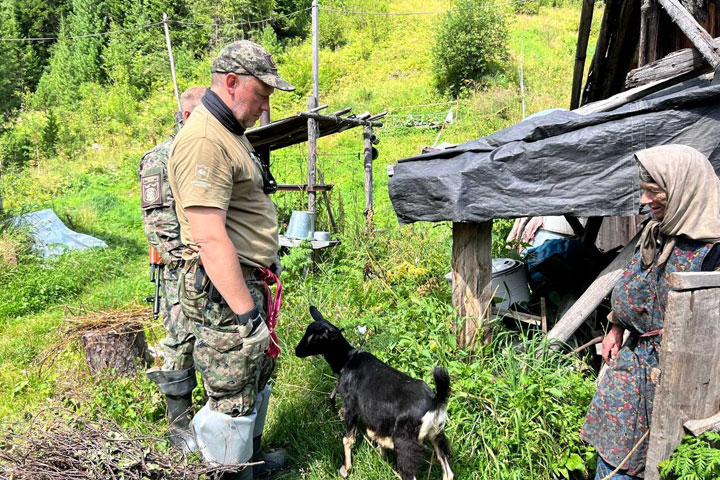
274 461
179 416
177 385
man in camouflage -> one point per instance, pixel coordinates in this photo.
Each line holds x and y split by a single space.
176 378
229 225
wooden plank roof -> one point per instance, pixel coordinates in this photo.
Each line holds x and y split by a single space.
294 129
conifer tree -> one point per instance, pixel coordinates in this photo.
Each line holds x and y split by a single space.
11 72
87 18
58 81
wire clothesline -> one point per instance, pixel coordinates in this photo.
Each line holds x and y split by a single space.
401 107
249 22
89 35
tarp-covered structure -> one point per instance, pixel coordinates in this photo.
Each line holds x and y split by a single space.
560 163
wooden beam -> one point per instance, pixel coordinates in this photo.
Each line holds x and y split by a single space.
586 15
576 226
358 122
297 187
472 277
591 298
328 206
692 29
626 97
688 387
533 320
677 63
698 427
694 280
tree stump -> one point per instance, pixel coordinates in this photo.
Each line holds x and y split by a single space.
119 349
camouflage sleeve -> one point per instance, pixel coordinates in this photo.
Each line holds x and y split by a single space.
160 221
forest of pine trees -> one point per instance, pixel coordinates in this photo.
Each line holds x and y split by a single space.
54 69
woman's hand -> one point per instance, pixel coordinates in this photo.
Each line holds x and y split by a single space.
611 343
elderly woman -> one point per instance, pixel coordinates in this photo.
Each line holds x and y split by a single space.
683 193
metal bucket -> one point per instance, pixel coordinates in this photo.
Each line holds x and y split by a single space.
301 225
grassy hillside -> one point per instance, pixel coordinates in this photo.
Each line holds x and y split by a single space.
512 416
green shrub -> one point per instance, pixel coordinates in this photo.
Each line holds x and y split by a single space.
471 46
35 285
15 148
695 459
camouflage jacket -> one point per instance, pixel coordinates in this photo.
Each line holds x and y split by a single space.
162 227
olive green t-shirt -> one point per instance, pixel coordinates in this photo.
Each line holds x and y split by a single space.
211 167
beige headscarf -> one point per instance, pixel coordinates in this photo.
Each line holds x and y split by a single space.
693 199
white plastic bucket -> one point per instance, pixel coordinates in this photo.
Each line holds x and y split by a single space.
509 282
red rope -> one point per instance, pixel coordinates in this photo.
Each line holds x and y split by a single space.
273 309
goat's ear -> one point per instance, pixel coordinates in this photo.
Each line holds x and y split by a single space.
317 316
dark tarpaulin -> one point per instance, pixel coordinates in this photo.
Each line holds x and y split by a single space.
560 163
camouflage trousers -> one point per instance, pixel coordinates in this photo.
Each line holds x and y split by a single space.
179 339
233 364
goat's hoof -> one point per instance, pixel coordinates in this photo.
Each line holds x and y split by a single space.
343 472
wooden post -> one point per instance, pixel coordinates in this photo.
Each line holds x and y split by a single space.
692 29
647 51
313 135
315 53
313 102
368 162
689 385
581 51
614 51
472 277
653 22
172 62
642 48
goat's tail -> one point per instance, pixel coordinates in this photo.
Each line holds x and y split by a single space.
442 388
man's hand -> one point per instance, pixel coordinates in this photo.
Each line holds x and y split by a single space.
612 342
218 256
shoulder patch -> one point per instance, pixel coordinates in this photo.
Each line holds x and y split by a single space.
151 190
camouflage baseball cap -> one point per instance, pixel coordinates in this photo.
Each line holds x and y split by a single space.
246 57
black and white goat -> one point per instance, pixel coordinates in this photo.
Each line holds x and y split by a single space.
398 411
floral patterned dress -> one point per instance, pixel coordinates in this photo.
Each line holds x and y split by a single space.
620 412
